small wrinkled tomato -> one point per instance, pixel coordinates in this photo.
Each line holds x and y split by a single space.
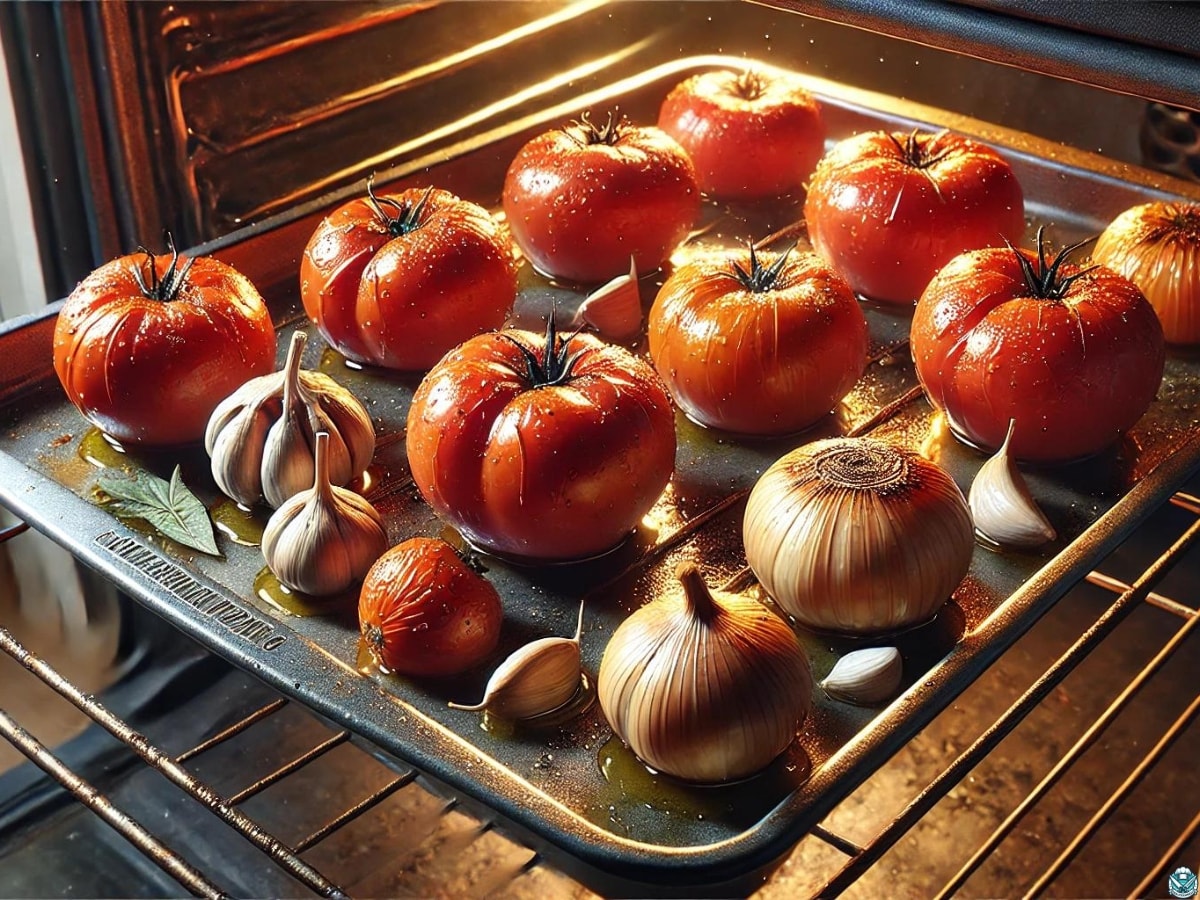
541 449
757 344
399 279
424 611
750 134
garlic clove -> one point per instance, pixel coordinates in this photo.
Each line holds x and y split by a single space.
1002 506
865 677
323 540
237 451
615 308
535 679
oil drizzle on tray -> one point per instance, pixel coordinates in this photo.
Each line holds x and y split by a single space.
741 803
242 526
102 451
269 589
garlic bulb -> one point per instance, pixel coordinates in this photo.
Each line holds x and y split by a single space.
535 679
865 677
614 309
323 540
1004 510
855 535
261 436
704 685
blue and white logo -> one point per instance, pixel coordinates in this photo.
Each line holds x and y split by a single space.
1182 883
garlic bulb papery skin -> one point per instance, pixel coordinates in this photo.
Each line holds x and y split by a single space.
535 679
854 535
260 437
704 685
865 677
325 539
1004 510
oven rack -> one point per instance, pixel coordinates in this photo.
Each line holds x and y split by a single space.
850 861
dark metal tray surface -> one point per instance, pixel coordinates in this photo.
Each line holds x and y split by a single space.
569 788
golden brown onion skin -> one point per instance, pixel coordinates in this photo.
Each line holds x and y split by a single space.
707 690
853 535
1157 247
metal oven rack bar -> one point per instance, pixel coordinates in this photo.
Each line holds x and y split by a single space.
857 859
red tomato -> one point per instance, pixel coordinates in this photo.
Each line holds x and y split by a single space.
541 449
423 611
582 199
398 280
757 348
1074 355
889 210
146 346
750 134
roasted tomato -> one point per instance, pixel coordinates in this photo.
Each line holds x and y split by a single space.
147 346
757 347
541 449
750 134
424 611
582 199
889 210
398 280
1074 356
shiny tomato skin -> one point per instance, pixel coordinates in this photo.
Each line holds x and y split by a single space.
757 362
579 210
888 225
150 372
401 300
423 611
750 135
1074 373
550 473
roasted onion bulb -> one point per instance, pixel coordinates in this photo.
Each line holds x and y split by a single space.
704 685
857 536
1157 247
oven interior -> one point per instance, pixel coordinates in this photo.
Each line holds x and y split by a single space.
1071 749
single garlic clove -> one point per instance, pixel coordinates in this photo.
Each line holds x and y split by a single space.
614 309
865 677
535 679
1002 507
323 540
236 452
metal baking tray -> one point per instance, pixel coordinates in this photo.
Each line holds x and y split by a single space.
566 786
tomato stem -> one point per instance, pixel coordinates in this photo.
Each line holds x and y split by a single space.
586 132
760 278
555 365
167 288
749 85
407 216
1044 281
918 149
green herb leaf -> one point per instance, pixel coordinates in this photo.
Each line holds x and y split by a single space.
170 508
